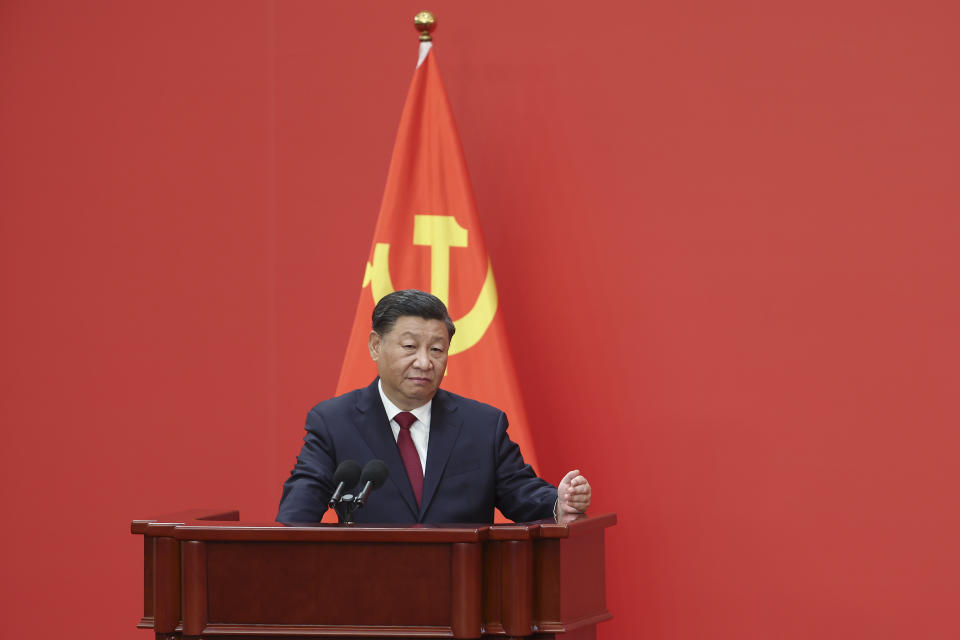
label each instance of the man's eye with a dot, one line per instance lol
(438, 350)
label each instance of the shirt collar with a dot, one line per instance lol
(422, 413)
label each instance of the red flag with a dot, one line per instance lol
(428, 237)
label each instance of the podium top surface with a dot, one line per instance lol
(225, 525)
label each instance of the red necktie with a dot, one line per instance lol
(411, 459)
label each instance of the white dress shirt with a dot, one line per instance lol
(419, 430)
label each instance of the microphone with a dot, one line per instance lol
(374, 475)
(345, 477)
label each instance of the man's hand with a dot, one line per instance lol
(573, 494)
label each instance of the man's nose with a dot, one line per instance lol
(423, 360)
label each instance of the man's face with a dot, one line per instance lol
(411, 359)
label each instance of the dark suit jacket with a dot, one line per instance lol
(472, 465)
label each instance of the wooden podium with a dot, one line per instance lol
(208, 575)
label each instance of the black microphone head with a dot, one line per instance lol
(348, 472)
(375, 472)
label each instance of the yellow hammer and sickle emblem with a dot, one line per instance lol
(440, 233)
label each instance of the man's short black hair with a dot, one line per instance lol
(409, 302)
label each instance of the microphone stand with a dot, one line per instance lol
(345, 507)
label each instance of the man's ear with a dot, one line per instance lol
(374, 343)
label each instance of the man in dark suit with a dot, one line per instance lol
(450, 458)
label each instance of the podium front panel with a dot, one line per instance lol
(343, 584)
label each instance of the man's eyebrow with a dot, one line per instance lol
(414, 335)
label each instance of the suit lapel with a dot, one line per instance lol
(445, 424)
(374, 427)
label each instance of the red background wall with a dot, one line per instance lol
(725, 235)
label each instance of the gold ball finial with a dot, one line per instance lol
(425, 23)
